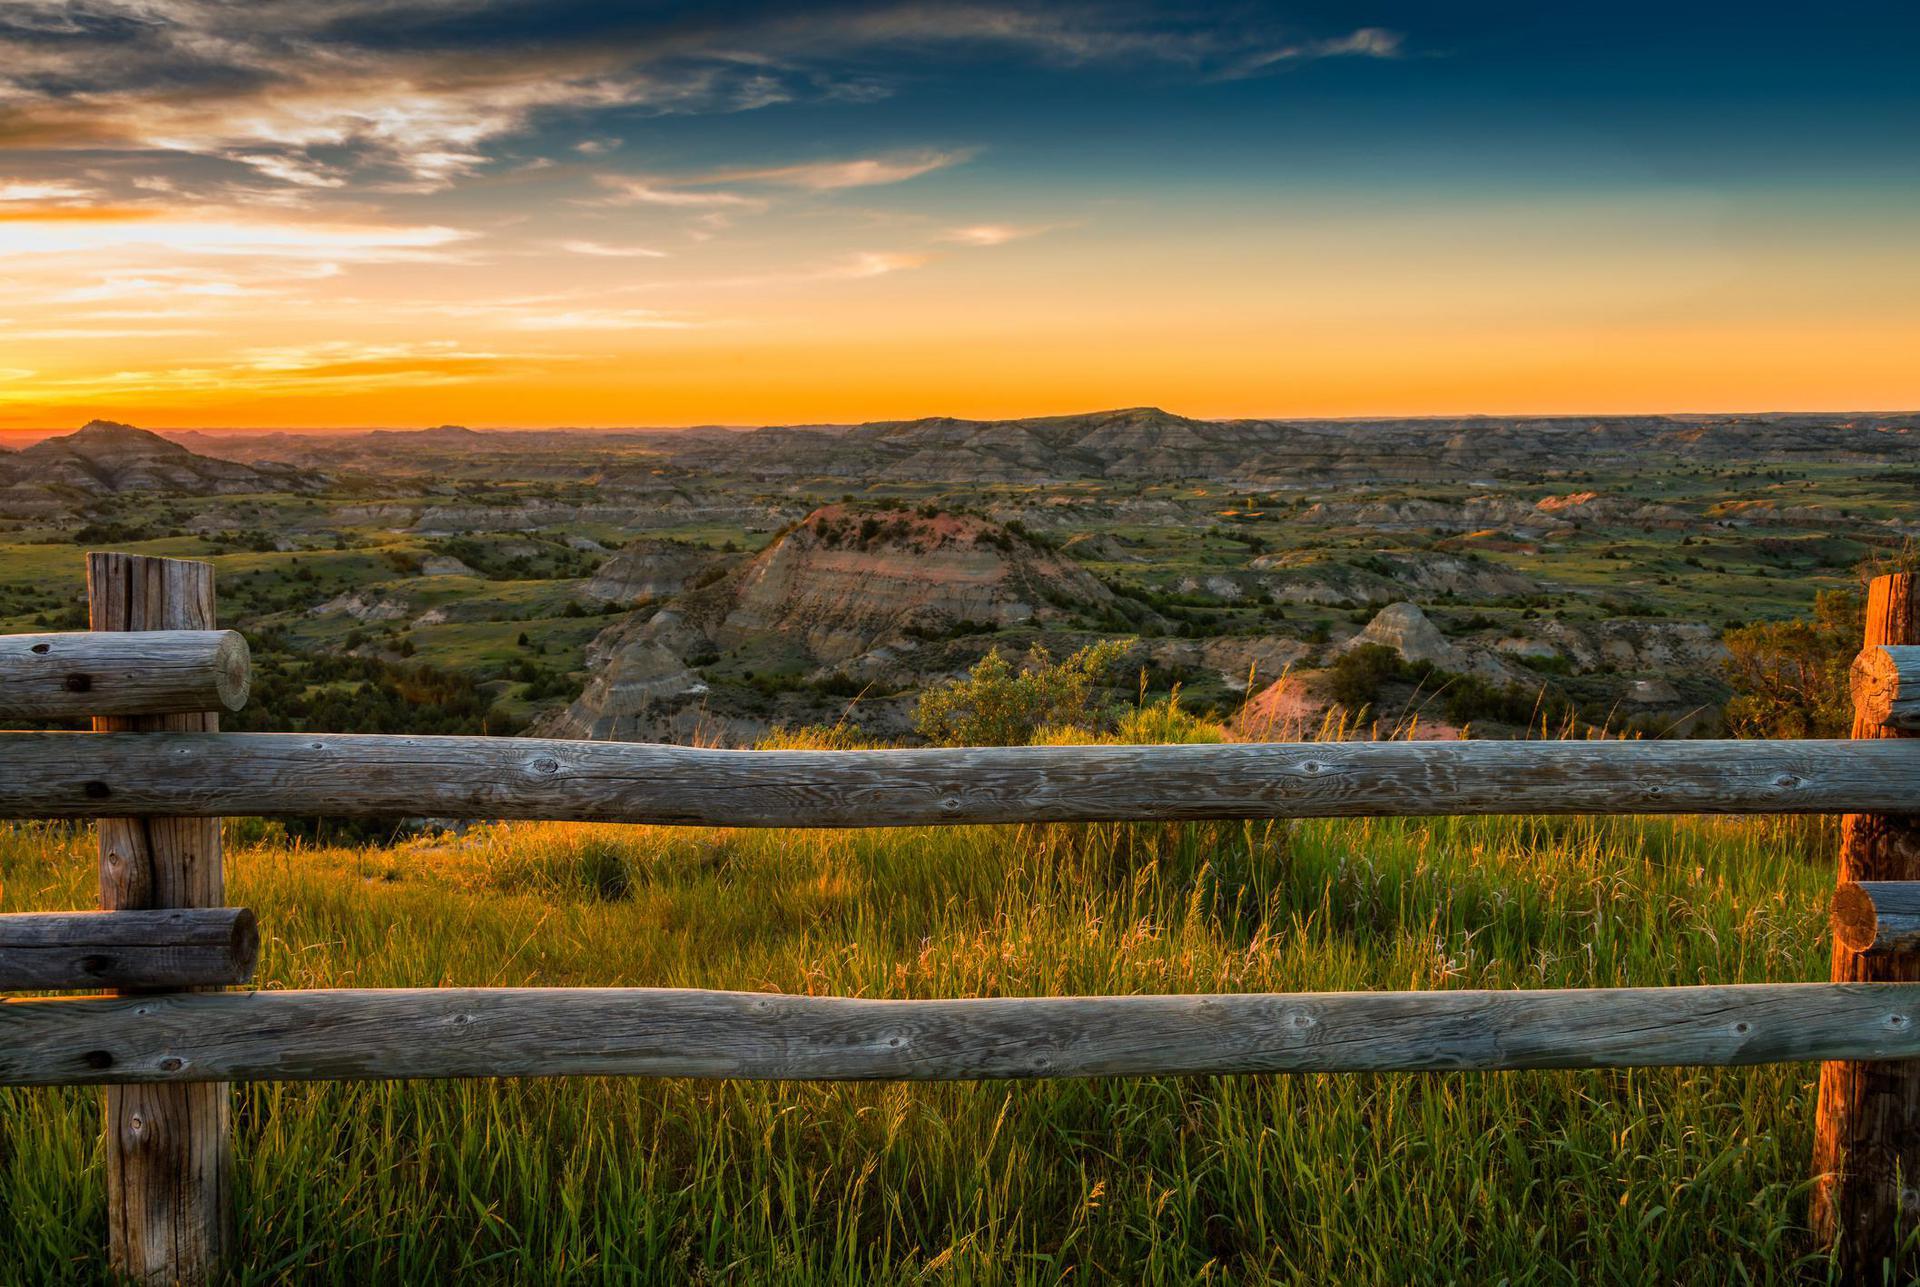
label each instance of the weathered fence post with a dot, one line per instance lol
(1866, 1152)
(167, 1146)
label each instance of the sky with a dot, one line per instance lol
(411, 212)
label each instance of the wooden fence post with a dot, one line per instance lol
(1866, 1152)
(168, 1163)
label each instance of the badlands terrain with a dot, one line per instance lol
(717, 584)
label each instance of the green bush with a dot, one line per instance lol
(1790, 677)
(996, 705)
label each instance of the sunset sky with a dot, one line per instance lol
(398, 212)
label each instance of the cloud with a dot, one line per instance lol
(992, 234)
(281, 94)
(1215, 40)
(862, 172)
(43, 231)
(45, 191)
(858, 266)
(70, 334)
(315, 368)
(160, 283)
(624, 190)
(415, 95)
(875, 264)
(1364, 42)
(602, 250)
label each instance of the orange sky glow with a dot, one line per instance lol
(751, 225)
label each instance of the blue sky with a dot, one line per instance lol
(369, 210)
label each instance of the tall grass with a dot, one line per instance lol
(1664, 1175)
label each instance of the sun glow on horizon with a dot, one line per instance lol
(746, 224)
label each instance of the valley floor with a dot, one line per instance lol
(1663, 1175)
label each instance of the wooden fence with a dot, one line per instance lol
(158, 775)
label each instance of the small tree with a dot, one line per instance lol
(1790, 677)
(996, 705)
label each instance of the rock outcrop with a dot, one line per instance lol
(645, 570)
(1313, 579)
(1410, 633)
(851, 592)
(1669, 647)
(640, 692)
(846, 580)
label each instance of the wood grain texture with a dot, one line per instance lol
(373, 775)
(144, 672)
(519, 1032)
(176, 947)
(1875, 916)
(168, 1152)
(1867, 1133)
(1886, 687)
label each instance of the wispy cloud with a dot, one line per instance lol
(602, 250)
(44, 231)
(48, 191)
(156, 284)
(993, 234)
(626, 190)
(73, 334)
(857, 266)
(860, 172)
(876, 264)
(286, 369)
(1365, 42)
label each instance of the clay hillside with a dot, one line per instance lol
(104, 457)
(870, 598)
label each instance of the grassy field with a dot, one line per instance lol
(1616, 1177)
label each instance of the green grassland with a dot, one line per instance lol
(1555, 1177)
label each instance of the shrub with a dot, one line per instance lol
(995, 705)
(1355, 679)
(1790, 677)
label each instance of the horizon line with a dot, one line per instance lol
(44, 431)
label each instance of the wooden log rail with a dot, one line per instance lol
(75, 775)
(174, 947)
(1886, 686)
(1877, 917)
(518, 1032)
(127, 672)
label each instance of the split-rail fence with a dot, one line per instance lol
(165, 1038)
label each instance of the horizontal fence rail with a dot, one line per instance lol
(373, 775)
(168, 947)
(123, 672)
(502, 1032)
